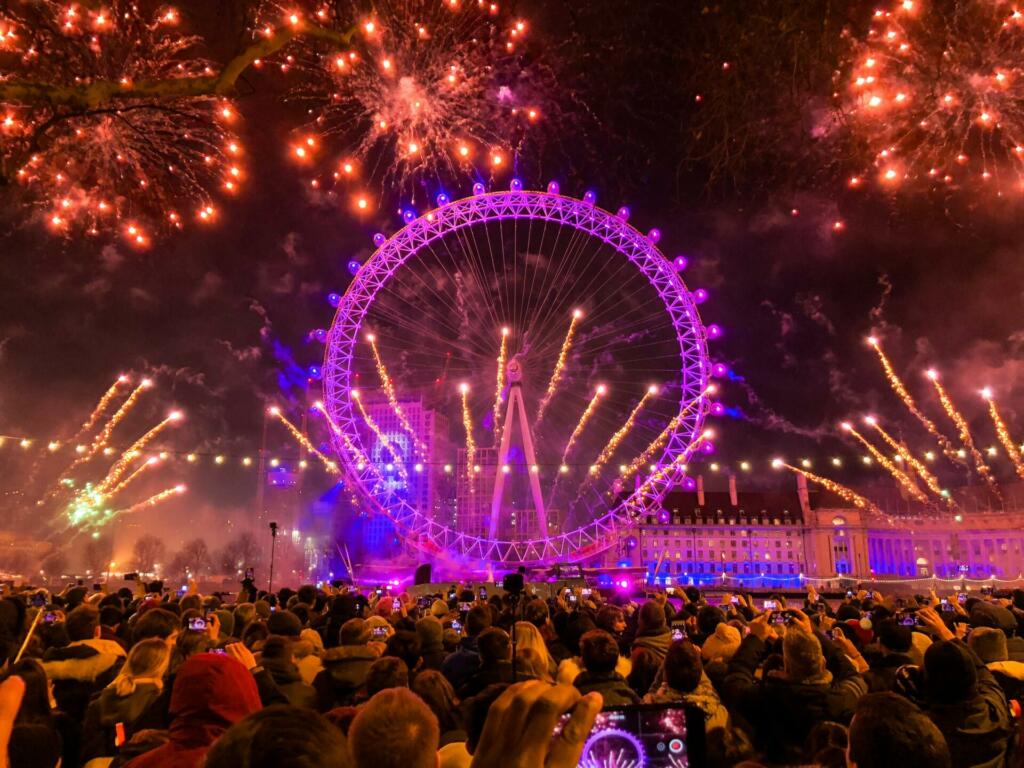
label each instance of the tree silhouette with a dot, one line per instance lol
(147, 552)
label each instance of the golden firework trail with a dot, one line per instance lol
(1004, 434)
(152, 501)
(903, 452)
(303, 440)
(396, 457)
(389, 389)
(500, 385)
(108, 428)
(608, 451)
(467, 424)
(126, 458)
(965, 434)
(676, 464)
(661, 439)
(556, 374)
(147, 464)
(901, 391)
(100, 409)
(900, 476)
(846, 494)
(360, 456)
(584, 418)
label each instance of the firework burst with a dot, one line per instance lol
(556, 374)
(1004, 433)
(903, 452)
(898, 474)
(304, 441)
(98, 122)
(965, 433)
(936, 94)
(426, 89)
(842, 491)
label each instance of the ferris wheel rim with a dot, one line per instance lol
(583, 216)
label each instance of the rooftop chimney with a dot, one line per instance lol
(733, 496)
(700, 490)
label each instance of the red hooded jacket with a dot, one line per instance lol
(211, 693)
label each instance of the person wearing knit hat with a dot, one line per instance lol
(284, 623)
(966, 703)
(439, 609)
(894, 644)
(722, 644)
(346, 666)
(308, 650)
(431, 636)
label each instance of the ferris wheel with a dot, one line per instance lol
(514, 376)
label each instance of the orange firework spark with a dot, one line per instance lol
(396, 457)
(152, 501)
(500, 385)
(147, 464)
(303, 440)
(100, 408)
(606, 454)
(359, 455)
(129, 455)
(467, 424)
(661, 439)
(839, 489)
(1004, 434)
(389, 390)
(901, 391)
(556, 374)
(900, 476)
(679, 463)
(930, 480)
(965, 434)
(587, 413)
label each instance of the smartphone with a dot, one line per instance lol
(183, 589)
(131, 577)
(379, 632)
(946, 607)
(572, 598)
(899, 602)
(465, 607)
(781, 618)
(909, 619)
(483, 593)
(457, 626)
(670, 590)
(396, 604)
(677, 634)
(218, 651)
(735, 600)
(849, 594)
(380, 591)
(451, 594)
(961, 597)
(249, 574)
(425, 602)
(648, 735)
(830, 634)
(985, 590)
(587, 592)
(39, 599)
(50, 617)
(198, 624)
(771, 605)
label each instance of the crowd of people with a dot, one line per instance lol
(335, 677)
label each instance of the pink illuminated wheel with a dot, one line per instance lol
(503, 464)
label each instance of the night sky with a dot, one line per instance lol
(221, 314)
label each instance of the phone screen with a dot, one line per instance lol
(197, 624)
(50, 618)
(457, 626)
(771, 605)
(249, 574)
(38, 599)
(396, 604)
(587, 592)
(653, 736)
(677, 634)
(961, 597)
(379, 632)
(465, 607)
(483, 593)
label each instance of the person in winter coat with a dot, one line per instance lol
(817, 683)
(430, 631)
(211, 693)
(278, 660)
(308, 650)
(84, 667)
(652, 630)
(990, 645)
(121, 709)
(684, 682)
(345, 667)
(894, 645)
(460, 666)
(965, 702)
(599, 652)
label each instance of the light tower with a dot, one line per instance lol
(516, 407)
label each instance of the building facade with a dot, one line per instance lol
(779, 539)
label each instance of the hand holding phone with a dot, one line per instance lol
(197, 624)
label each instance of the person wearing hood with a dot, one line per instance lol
(122, 707)
(84, 667)
(279, 661)
(990, 645)
(211, 693)
(430, 631)
(345, 667)
(684, 681)
(817, 682)
(460, 666)
(652, 630)
(599, 653)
